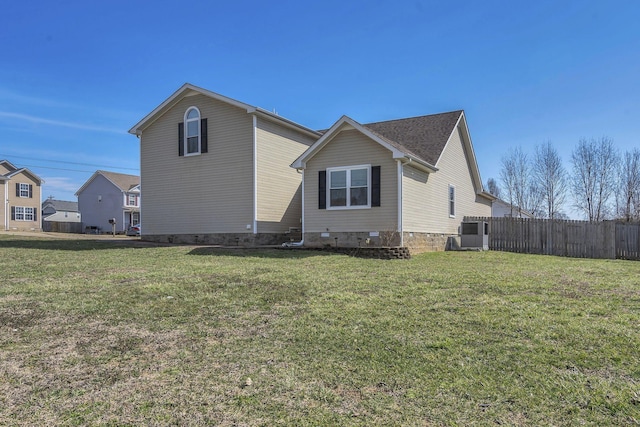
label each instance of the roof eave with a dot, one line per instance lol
(268, 115)
(139, 127)
(416, 162)
(487, 195)
(177, 96)
(28, 172)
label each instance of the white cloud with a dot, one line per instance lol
(41, 120)
(61, 188)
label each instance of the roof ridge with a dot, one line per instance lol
(414, 117)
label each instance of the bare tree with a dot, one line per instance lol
(493, 188)
(517, 180)
(594, 177)
(550, 178)
(628, 197)
(508, 176)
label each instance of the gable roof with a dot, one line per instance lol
(189, 89)
(418, 139)
(424, 136)
(8, 165)
(122, 181)
(61, 205)
(13, 171)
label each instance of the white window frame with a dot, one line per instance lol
(135, 199)
(186, 131)
(28, 214)
(451, 199)
(348, 170)
(24, 190)
(19, 213)
(24, 213)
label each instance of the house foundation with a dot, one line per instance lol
(221, 239)
(414, 241)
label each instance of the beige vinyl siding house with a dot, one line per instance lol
(22, 192)
(236, 188)
(279, 187)
(427, 180)
(350, 148)
(426, 207)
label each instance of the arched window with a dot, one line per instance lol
(192, 131)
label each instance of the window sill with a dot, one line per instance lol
(347, 208)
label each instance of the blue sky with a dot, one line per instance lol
(76, 75)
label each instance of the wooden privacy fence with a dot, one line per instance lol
(62, 227)
(578, 239)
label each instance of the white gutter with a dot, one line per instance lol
(255, 174)
(400, 230)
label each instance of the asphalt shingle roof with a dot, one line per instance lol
(424, 137)
(123, 181)
(62, 205)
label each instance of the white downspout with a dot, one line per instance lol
(6, 206)
(400, 228)
(255, 174)
(301, 242)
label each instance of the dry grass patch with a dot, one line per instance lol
(101, 333)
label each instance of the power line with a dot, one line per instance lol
(59, 169)
(69, 163)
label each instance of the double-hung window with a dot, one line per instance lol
(28, 214)
(21, 213)
(23, 190)
(349, 187)
(132, 200)
(452, 201)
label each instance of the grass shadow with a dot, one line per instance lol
(70, 244)
(297, 253)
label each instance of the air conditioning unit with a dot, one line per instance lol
(475, 235)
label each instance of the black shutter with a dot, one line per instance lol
(180, 139)
(375, 185)
(204, 143)
(13, 213)
(322, 189)
(17, 189)
(35, 214)
(30, 191)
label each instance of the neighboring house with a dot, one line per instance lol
(106, 196)
(407, 182)
(60, 210)
(216, 170)
(61, 216)
(21, 190)
(501, 208)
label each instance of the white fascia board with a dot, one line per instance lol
(28, 172)
(300, 162)
(344, 123)
(268, 115)
(91, 178)
(184, 90)
(466, 141)
(472, 154)
(8, 163)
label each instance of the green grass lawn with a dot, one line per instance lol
(120, 333)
